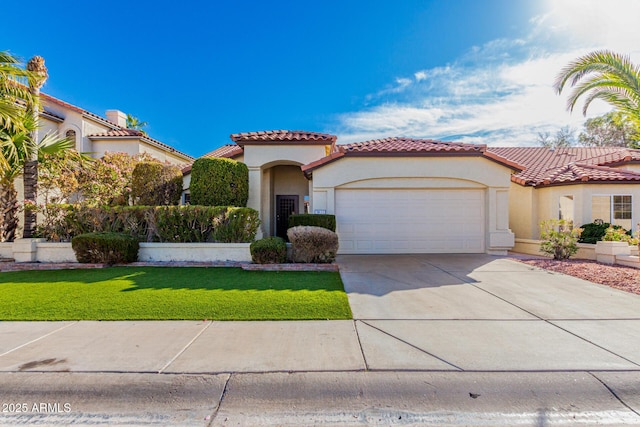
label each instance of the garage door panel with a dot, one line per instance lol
(410, 221)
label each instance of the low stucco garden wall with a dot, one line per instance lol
(532, 247)
(199, 252)
(39, 250)
(605, 252)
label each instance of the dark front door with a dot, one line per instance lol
(285, 206)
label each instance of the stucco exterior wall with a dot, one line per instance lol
(269, 155)
(529, 206)
(424, 173)
(351, 169)
(162, 155)
(523, 215)
(101, 146)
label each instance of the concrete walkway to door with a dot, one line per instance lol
(484, 313)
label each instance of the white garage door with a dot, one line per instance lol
(410, 221)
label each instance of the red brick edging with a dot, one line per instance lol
(28, 266)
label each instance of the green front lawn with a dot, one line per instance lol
(163, 293)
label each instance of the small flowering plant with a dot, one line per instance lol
(619, 234)
(559, 238)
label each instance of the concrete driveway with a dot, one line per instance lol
(484, 313)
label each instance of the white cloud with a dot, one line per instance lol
(500, 93)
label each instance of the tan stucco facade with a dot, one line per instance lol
(529, 206)
(435, 173)
(275, 170)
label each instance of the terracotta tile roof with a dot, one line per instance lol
(409, 145)
(228, 151)
(282, 136)
(395, 146)
(543, 166)
(117, 133)
(82, 111)
(585, 173)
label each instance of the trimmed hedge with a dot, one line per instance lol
(594, 232)
(314, 220)
(313, 244)
(179, 224)
(219, 182)
(156, 184)
(105, 248)
(270, 250)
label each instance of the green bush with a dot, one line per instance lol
(270, 250)
(314, 220)
(105, 248)
(593, 232)
(313, 244)
(153, 223)
(237, 225)
(219, 182)
(559, 238)
(155, 184)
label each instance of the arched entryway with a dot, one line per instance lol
(285, 192)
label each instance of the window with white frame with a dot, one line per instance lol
(614, 209)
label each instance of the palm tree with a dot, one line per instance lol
(603, 75)
(18, 146)
(13, 94)
(134, 123)
(38, 77)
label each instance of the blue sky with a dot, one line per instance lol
(197, 71)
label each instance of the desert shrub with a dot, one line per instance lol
(219, 182)
(236, 226)
(156, 184)
(154, 223)
(559, 238)
(185, 223)
(107, 248)
(313, 244)
(315, 220)
(270, 250)
(54, 225)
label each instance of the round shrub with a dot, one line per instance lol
(313, 244)
(219, 182)
(105, 248)
(270, 250)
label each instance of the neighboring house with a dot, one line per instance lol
(97, 135)
(395, 195)
(581, 184)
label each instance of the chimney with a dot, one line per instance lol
(117, 117)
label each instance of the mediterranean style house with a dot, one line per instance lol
(403, 195)
(96, 135)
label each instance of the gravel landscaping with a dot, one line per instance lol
(619, 277)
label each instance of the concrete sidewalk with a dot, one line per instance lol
(437, 340)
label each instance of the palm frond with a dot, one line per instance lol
(52, 143)
(603, 75)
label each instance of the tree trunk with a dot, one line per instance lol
(37, 67)
(30, 194)
(8, 211)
